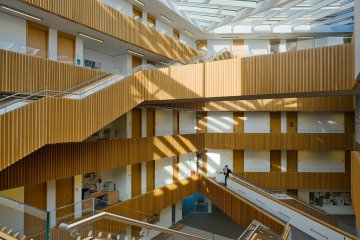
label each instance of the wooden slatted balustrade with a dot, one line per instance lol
(355, 184)
(115, 24)
(56, 120)
(27, 74)
(52, 161)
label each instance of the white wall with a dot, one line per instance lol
(163, 172)
(165, 221)
(105, 60)
(187, 122)
(214, 46)
(122, 179)
(79, 52)
(341, 210)
(283, 161)
(164, 28)
(163, 122)
(305, 44)
(120, 5)
(220, 122)
(187, 41)
(129, 124)
(217, 159)
(283, 122)
(123, 63)
(256, 47)
(52, 44)
(321, 122)
(328, 41)
(15, 29)
(187, 162)
(256, 161)
(11, 213)
(257, 122)
(178, 211)
(321, 161)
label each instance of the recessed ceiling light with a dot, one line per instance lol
(139, 2)
(90, 37)
(167, 19)
(135, 53)
(329, 8)
(21, 13)
(305, 37)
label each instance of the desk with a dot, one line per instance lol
(112, 197)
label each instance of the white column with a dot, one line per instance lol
(143, 177)
(53, 44)
(51, 201)
(77, 195)
(282, 47)
(79, 52)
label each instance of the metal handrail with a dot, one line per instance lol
(105, 215)
(281, 191)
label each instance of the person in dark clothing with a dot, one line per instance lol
(227, 172)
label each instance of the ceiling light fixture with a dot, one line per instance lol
(188, 32)
(139, 2)
(167, 19)
(135, 53)
(90, 37)
(329, 8)
(229, 37)
(305, 37)
(21, 13)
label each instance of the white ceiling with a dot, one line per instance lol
(211, 19)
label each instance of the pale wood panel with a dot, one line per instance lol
(98, 110)
(136, 61)
(36, 196)
(66, 197)
(297, 180)
(282, 72)
(136, 123)
(135, 179)
(276, 141)
(321, 104)
(275, 161)
(52, 161)
(275, 122)
(240, 210)
(292, 122)
(349, 122)
(292, 161)
(355, 182)
(238, 156)
(115, 24)
(66, 48)
(24, 73)
(201, 122)
(150, 175)
(238, 122)
(37, 39)
(150, 122)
